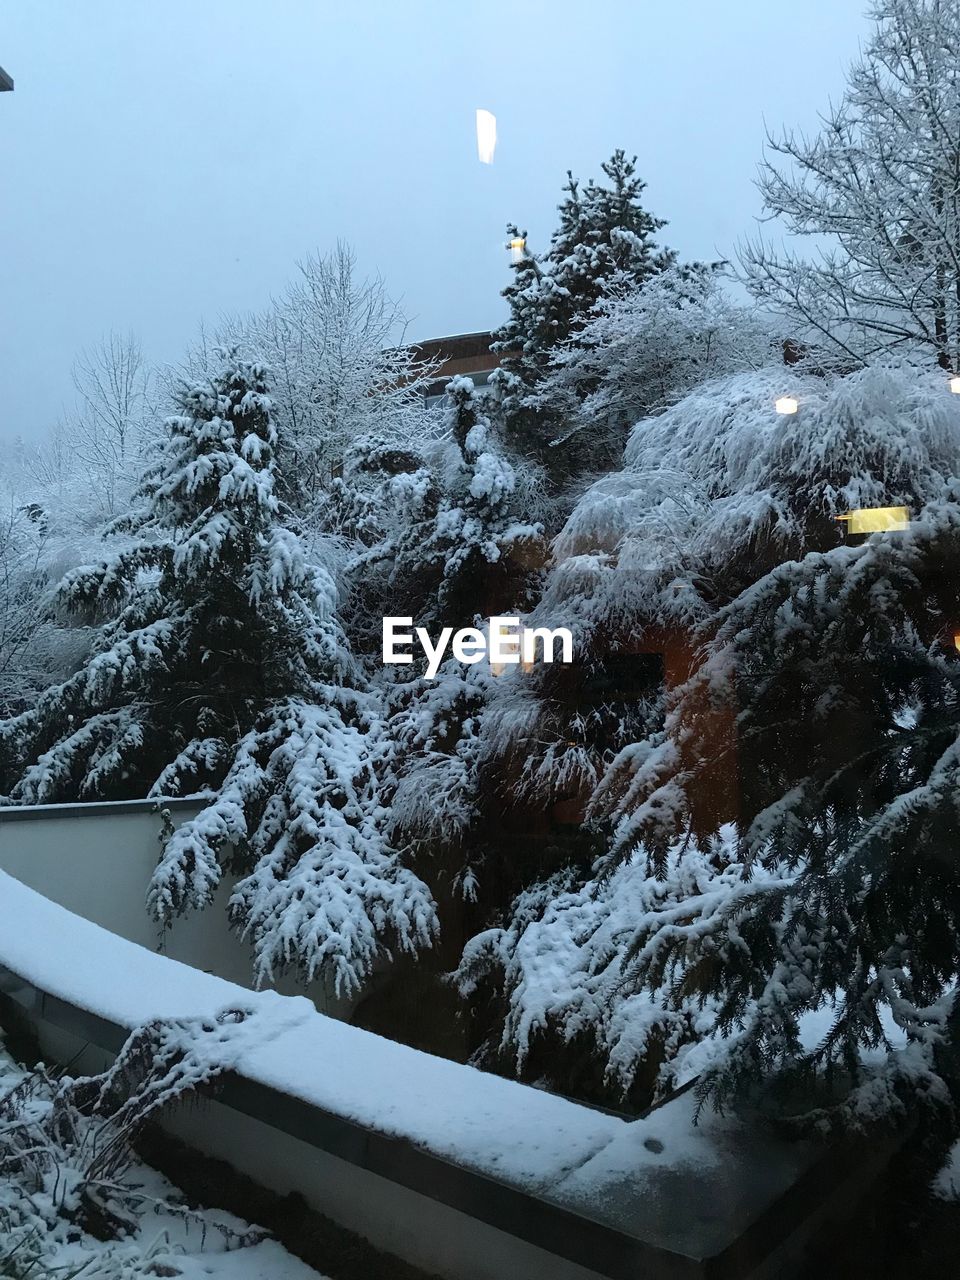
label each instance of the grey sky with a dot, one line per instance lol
(163, 162)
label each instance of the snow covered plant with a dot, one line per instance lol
(440, 532)
(643, 347)
(72, 1196)
(218, 663)
(819, 728)
(300, 815)
(604, 242)
(448, 530)
(331, 340)
(205, 612)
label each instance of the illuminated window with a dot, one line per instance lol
(876, 519)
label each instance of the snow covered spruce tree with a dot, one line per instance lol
(778, 897)
(604, 242)
(219, 665)
(455, 545)
(642, 347)
(474, 556)
(878, 187)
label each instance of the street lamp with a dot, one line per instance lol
(517, 246)
(786, 404)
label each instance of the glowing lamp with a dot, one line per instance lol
(486, 135)
(956, 641)
(786, 404)
(517, 246)
(955, 385)
(876, 519)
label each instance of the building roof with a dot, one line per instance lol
(457, 346)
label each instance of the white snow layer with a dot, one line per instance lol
(520, 1135)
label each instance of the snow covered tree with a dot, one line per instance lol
(878, 187)
(604, 243)
(204, 612)
(386, 494)
(219, 665)
(642, 349)
(475, 556)
(804, 922)
(24, 589)
(444, 522)
(109, 435)
(339, 371)
(456, 548)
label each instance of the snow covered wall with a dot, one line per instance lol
(97, 859)
(465, 1174)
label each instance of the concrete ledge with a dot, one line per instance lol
(559, 1235)
(461, 1223)
(465, 1175)
(96, 808)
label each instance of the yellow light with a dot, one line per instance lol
(955, 386)
(486, 135)
(786, 404)
(517, 246)
(956, 640)
(876, 519)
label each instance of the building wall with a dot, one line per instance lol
(463, 354)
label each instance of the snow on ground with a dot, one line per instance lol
(168, 1241)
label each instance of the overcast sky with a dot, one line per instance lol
(166, 161)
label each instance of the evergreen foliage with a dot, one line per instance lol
(604, 243)
(805, 920)
(204, 612)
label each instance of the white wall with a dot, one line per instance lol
(97, 860)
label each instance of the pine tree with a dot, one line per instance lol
(205, 612)
(219, 665)
(779, 875)
(603, 244)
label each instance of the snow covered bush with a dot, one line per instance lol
(820, 878)
(641, 348)
(75, 1202)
